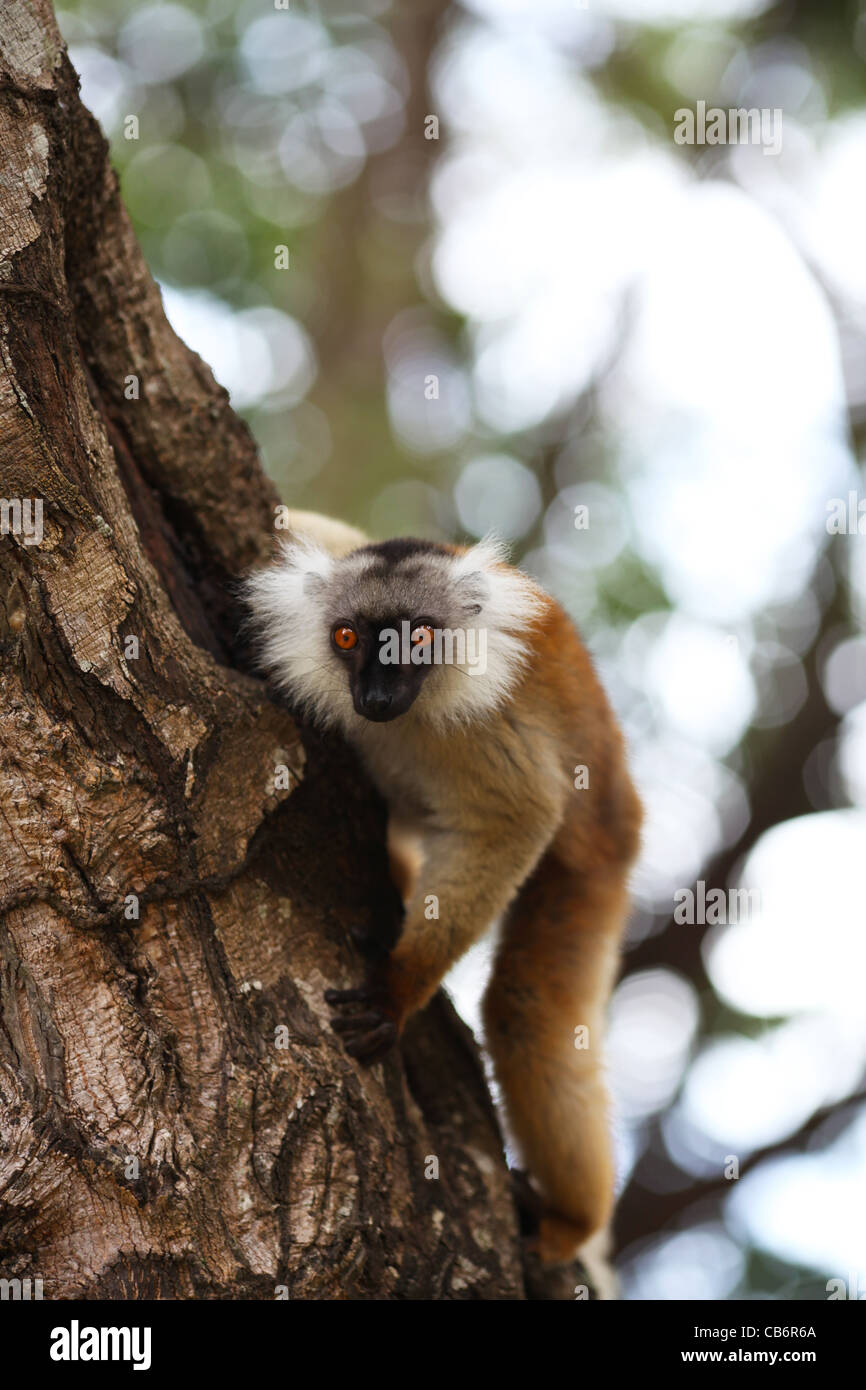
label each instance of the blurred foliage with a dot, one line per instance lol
(261, 128)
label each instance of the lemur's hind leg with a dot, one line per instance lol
(544, 1021)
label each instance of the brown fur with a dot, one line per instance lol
(506, 832)
(483, 782)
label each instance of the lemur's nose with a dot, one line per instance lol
(376, 703)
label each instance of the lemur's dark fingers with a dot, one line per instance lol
(354, 1023)
(348, 996)
(369, 944)
(369, 1045)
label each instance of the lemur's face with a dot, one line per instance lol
(384, 605)
(369, 635)
(383, 680)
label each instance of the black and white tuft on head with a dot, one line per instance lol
(391, 626)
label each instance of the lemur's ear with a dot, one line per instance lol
(307, 561)
(472, 592)
(506, 599)
(475, 573)
(278, 595)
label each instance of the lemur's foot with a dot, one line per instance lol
(367, 1029)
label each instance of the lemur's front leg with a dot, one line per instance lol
(468, 878)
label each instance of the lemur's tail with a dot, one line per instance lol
(544, 1020)
(334, 536)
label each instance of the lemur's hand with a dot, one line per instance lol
(374, 944)
(367, 1027)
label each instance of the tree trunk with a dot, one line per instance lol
(176, 1118)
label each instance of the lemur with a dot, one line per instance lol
(476, 760)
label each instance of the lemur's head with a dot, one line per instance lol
(394, 626)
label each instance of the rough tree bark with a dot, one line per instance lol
(154, 1139)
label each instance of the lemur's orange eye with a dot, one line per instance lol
(422, 635)
(345, 637)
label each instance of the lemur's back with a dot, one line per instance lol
(604, 814)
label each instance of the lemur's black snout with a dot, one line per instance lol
(376, 705)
